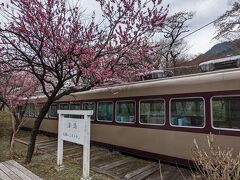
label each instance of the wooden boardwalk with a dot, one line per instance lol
(11, 170)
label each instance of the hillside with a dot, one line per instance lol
(220, 50)
(225, 48)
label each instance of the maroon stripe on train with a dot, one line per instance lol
(206, 95)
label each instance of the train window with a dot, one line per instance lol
(225, 112)
(53, 110)
(20, 110)
(187, 112)
(64, 107)
(38, 107)
(90, 106)
(26, 114)
(75, 106)
(125, 111)
(105, 111)
(152, 112)
(31, 110)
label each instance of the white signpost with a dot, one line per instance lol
(75, 130)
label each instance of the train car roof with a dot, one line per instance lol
(190, 79)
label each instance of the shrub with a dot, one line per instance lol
(216, 163)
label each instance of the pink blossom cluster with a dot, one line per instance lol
(16, 87)
(57, 42)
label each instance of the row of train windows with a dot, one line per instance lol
(184, 112)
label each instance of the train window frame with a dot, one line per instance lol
(26, 113)
(112, 112)
(165, 112)
(49, 114)
(37, 107)
(31, 112)
(63, 104)
(191, 127)
(66, 115)
(94, 110)
(135, 113)
(211, 107)
(76, 103)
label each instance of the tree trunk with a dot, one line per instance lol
(12, 145)
(14, 128)
(1, 107)
(31, 145)
(16, 123)
(35, 130)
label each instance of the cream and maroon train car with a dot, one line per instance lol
(159, 118)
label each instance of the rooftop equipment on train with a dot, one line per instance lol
(221, 63)
(156, 74)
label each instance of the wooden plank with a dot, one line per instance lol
(50, 144)
(115, 164)
(51, 149)
(53, 146)
(7, 171)
(71, 148)
(21, 141)
(72, 151)
(46, 141)
(98, 153)
(98, 170)
(140, 170)
(54, 142)
(106, 154)
(93, 152)
(3, 176)
(16, 170)
(25, 170)
(75, 154)
(145, 174)
(80, 153)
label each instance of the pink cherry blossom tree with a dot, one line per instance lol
(59, 44)
(15, 91)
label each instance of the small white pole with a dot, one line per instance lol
(86, 148)
(60, 165)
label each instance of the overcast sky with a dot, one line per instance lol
(205, 12)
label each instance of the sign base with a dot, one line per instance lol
(59, 168)
(88, 178)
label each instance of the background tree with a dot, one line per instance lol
(59, 45)
(172, 46)
(228, 25)
(15, 91)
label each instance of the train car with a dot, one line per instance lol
(160, 118)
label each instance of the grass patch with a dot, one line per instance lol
(5, 124)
